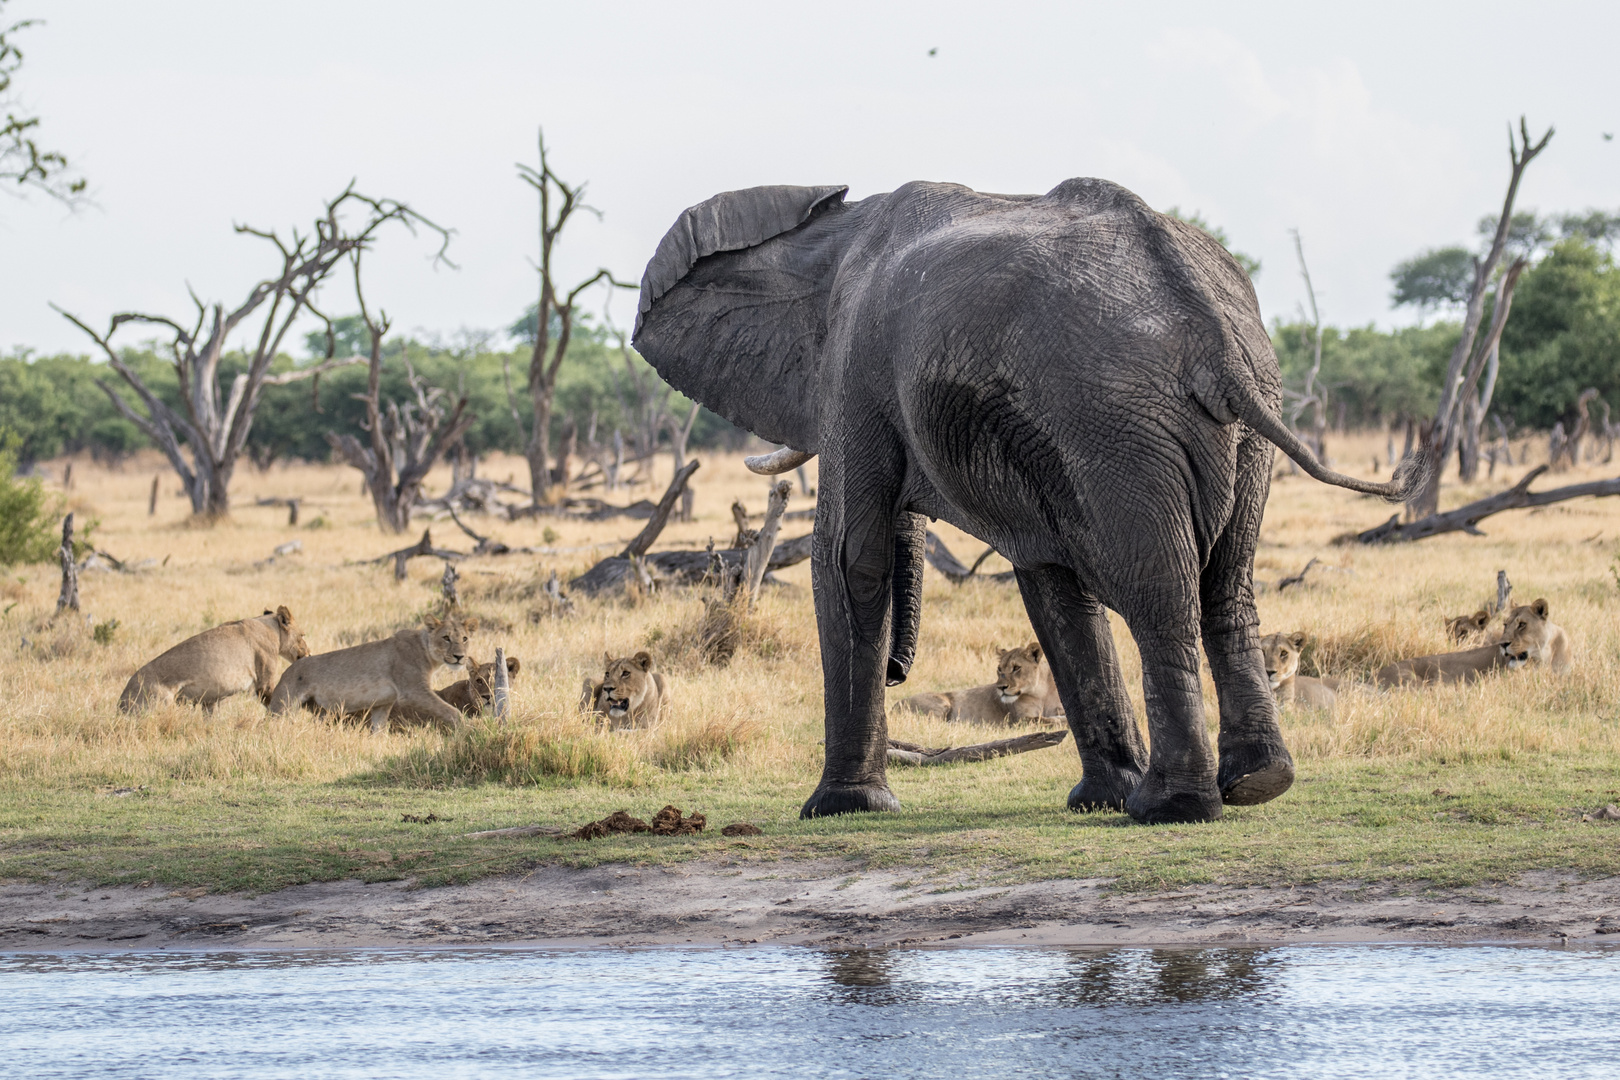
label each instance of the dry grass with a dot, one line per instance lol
(754, 724)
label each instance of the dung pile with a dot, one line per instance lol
(667, 822)
(741, 828)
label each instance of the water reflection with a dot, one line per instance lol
(770, 1012)
(1058, 978)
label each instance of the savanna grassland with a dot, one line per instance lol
(1449, 785)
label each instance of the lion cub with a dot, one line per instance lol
(1532, 639)
(1460, 628)
(217, 663)
(1023, 690)
(630, 695)
(474, 693)
(1282, 653)
(377, 677)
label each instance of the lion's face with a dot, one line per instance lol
(624, 683)
(1526, 635)
(293, 645)
(481, 677)
(1466, 627)
(1018, 672)
(1282, 656)
(447, 638)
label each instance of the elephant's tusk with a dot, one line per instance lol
(780, 461)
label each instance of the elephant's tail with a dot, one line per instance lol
(1410, 475)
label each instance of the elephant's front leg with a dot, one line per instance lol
(851, 575)
(1073, 629)
(1255, 765)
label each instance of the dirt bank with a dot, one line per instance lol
(819, 903)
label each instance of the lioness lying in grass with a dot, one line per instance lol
(1023, 690)
(377, 677)
(630, 695)
(1533, 639)
(1282, 652)
(219, 662)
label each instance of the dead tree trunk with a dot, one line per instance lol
(1466, 518)
(678, 434)
(151, 503)
(1467, 360)
(405, 442)
(68, 598)
(500, 699)
(215, 426)
(904, 753)
(759, 555)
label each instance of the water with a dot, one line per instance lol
(1281, 1012)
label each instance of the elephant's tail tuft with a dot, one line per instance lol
(1410, 475)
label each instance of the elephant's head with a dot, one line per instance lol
(734, 308)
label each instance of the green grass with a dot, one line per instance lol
(1449, 825)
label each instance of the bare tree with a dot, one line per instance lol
(1469, 358)
(405, 441)
(1314, 396)
(216, 425)
(558, 203)
(1477, 404)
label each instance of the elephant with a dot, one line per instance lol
(1074, 378)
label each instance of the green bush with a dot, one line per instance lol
(28, 513)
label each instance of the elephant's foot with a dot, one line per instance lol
(1253, 774)
(1103, 787)
(830, 799)
(1157, 802)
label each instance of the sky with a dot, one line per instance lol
(1376, 129)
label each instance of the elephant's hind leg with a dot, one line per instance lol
(1073, 629)
(1255, 765)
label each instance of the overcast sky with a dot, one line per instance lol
(1376, 129)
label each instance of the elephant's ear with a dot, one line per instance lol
(734, 305)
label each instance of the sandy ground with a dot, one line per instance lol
(816, 903)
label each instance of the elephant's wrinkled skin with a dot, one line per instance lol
(1080, 381)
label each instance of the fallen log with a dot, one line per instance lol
(940, 558)
(686, 567)
(613, 572)
(904, 753)
(423, 546)
(1466, 518)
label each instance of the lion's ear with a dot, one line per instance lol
(1481, 619)
(607, 659)
(283, 616)
(642, 660)
(1539, 606)
(512, 665)
(430, 621)
(1033, 650)
(470, 625)
(1297, 639)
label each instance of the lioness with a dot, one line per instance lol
(1282, 653)
(630, 695)
(1023, 690)
(1451, 667)
(211, 666)
(1461, 628)
(473, 693)
(376, 677)
(1531, 639)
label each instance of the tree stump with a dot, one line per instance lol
(69, 596)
